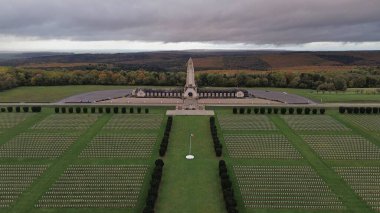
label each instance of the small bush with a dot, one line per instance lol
(283, 111)
(108, 110)
(299, 111)
(375, 110)
(234, 110)
(36, 109)
(307, 111)
(368, 110)
(322, 111)
(350, 110)
(100, 109)
(93, 110)
(262, 110)
(269, 110)
(25, 109)
(256, 110)
(9, 109)
(71, 110)
(18, 109)
(56, 110)
(139, 110)
(356, 110)
(249, 111)
(275, 110)
(116, 110)
(146, 110)
(291, 110)
(241, 110)
(362, 110)
(131, 110)
(123, 110)
(3, 109)
(78, 110)
(63, 109)
(85, 110)
(314, 111)
(342, 110)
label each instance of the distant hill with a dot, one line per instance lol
(203, 60)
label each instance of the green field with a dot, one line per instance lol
(278, 163)
(56, 93)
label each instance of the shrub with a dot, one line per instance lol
(314, 111)
(368, 110)
(350, 110)
(93, 109)
(85, 110)
(18, 109)
(375, 110)
(123, 110)
(234, 110)
(10, 109)
(249, 111)
(269, 110)
(283, 111)
(71, 110)
(356, 110)
(262, 110)
(362, 110)
(218, 151)
(25, 109)
(299, 111)
(307, 111)
(139, 110)
(342, 110)
(146, 110)
(322, 111)
(100, 110)
(77, 109)
(131, 110)
(291, 110)
(56, 110)
(116, 110)
(36, 109)
(241, 110)
(108, 110)
(275, 110)
(3, 110)
(256, 110)
(63, 110)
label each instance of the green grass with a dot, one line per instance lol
(190, 185)
(348, 96)
(56, 93)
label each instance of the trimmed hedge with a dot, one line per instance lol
(215, 138)
(228, 192)
(165, 139)
(154, 186)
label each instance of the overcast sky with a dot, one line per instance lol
(128, 25)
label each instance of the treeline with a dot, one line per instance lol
(326, 81)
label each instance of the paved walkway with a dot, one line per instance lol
(190, 112)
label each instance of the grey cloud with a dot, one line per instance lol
(246, 21)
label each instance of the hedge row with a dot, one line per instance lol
(215, 138)
(21, 109)
(277, 110)
(165, 139)
(359, 110)
(154, 186)
(228, 192)
(108, 110)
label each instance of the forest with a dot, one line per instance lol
(364, 77)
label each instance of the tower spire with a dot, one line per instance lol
(190, 81)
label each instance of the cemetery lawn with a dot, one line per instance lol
(190, 185)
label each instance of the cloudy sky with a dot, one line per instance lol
(129, 25)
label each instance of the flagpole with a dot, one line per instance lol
(190, 156)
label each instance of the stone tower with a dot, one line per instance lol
(190, 94)
(190, 91)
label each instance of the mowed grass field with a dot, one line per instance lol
(56, 93)
(278, 163)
